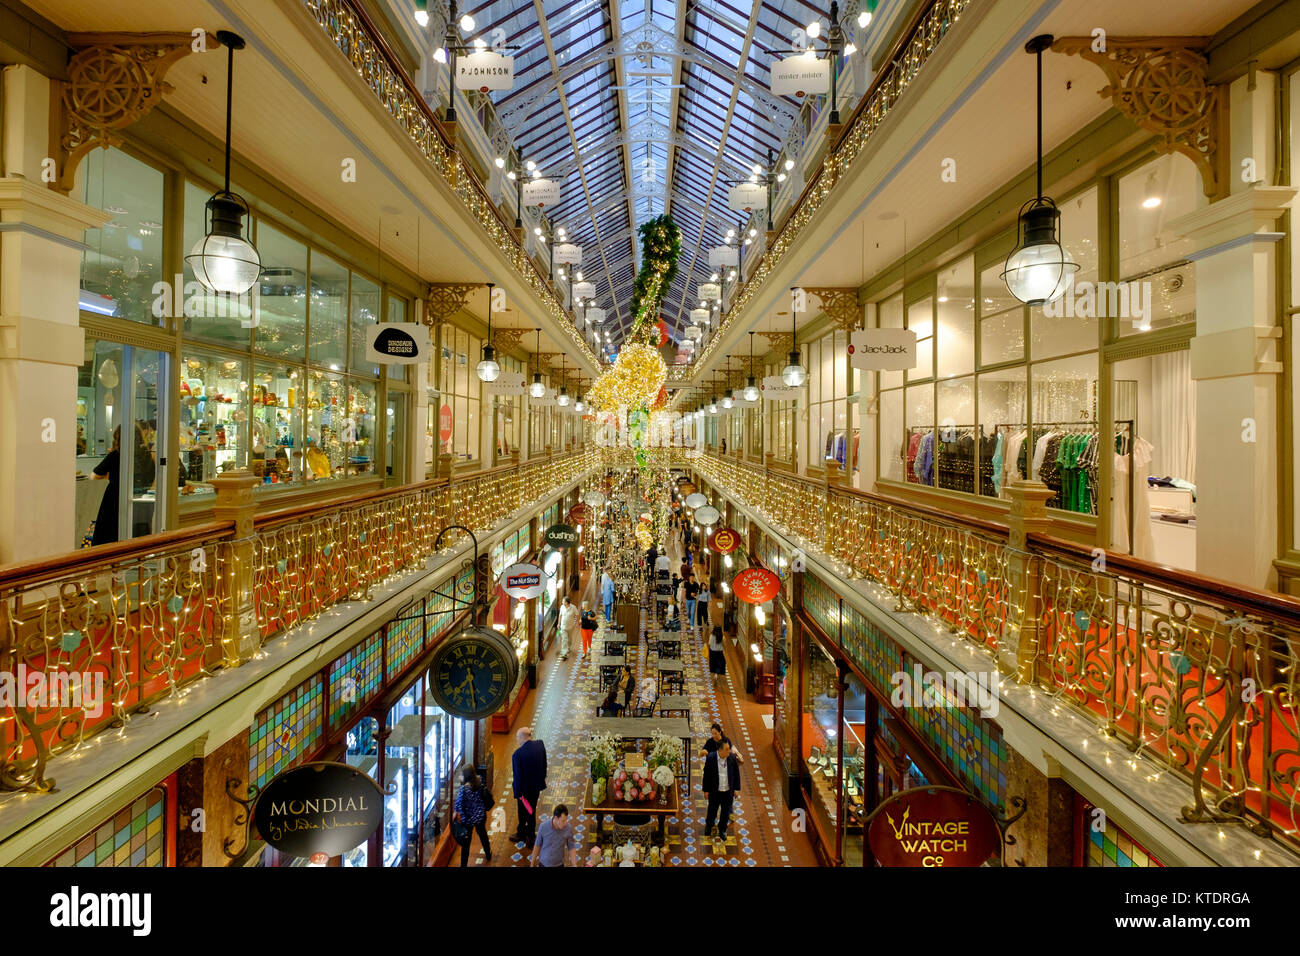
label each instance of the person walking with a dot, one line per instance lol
(556, 844)
(702, 606)
(721, 783)
(717, 655)
(471, 809)
(587, 623)
(716, 737)
(106, 519)
(607, 594)
(529, 765)
(626, 685)
(692, 593)
(567, 626)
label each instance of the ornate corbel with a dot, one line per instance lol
(114, 79)
(505, 340)
(779, 342)
(541, 361)
(1162, 84)
(444, 300)
(840, 305)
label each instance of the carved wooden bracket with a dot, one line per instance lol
(541, 361)
(1162, 84)
(504, 340)
(114, 79)
(840, 305)
(780, 342)
(444, 300)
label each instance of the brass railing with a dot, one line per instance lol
(143, 619)
(1197, 674)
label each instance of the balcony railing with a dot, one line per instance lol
(144, 619)
(1198, 674)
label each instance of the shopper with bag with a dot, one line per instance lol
(529, 766)
(469, 815)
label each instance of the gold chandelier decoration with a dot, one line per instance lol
(633, 382)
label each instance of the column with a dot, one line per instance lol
(1236, 366)
(41, 343)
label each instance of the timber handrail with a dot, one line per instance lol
(971, 523)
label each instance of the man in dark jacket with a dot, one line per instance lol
(529, 763)
(721, 787)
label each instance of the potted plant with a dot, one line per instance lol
(602, 752)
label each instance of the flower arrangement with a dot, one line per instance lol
(602, 751)
(634, 787)
(665, 751)
(664, 776)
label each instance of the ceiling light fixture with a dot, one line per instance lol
(794, 374)
(223, 260)
(750, 393)
(563, 399)
(488, 369)
(1038, 269)
(537, 389)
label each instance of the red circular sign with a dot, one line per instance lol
(933, 827)
(578, 514)
(756, 585)
(320, 859)
(444, 423)
(724, 540)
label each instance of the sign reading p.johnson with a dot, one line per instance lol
(931, 827)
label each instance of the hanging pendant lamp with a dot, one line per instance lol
(1038, 269)
(488, 369)
(751, 387)
(223, 260)
(794, 374)
(563, 399)
(537, 389)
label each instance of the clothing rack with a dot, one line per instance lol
(1124, 430)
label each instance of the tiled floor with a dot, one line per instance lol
(562, 712)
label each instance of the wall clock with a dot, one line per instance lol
(473, 672)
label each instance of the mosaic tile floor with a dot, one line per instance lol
(562, 713)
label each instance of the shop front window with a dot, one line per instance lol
(853, 737)
(282, 300)
(122, 260)
(1149, 198)
(358, 428)
(324, 448)
(395, 437)
(363, 313)
(214, 425)
(821, 720)
(276, 428)
(784, 720)
(327, 313)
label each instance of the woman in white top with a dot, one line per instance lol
(567, 626)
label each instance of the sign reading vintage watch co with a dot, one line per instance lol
(320, 807)
(931, 827)
(561, 536)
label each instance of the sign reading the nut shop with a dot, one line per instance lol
(320, 807)
(932, 826)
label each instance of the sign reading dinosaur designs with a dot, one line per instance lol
(321, 807)
(931, 827)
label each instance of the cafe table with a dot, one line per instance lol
(617, 808)
(640, 728)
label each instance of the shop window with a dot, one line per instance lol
(214, 417)
(1149, 198)
(955, 311)
(956, 443)
(282, 300)
(828, 420)
(276, 424)
(918, 449)
(1071, 329)
(1065, 440)
(324, 448)
(821, 720)
(395, 437)
(1002, 423)
(891, 317)
(1002, 320)
(853, 734)
(363, 313)
(359, 427)
(207, 316)
(920, 319)
(327, 313)
(123, 259)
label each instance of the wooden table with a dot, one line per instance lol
(617, 808)
(676, 704)
(609, 665)
(640, 728)
(667, 667)
(671, 638)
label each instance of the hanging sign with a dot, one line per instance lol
(523, 581)
(693, 333)
(721, 256)
(700, 316)
(578, 514)
(444, 423)
(686, 487)
(746, 196)
(485, 70)
(756, 585)
(397, 343)
(696, 500)
(320, 807)
(708, 515)
(933, 826)
(583, 290)
(507, 383)
(774, 389)
(541, 192)
(566, 253)
(883, 349)
(561, 536)
(724, 540)
(710, 291)
(546, 401)
(800, 75)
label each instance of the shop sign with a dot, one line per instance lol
(933, 826)
(720, 256)
(756, 585)
(320, 807)
(800, 75)
(774, 389)
(696, 500)
(397, 343)
(746, 196)
(541, 192)
(578, 514)
(724, 540)
(561, 536)
(546, 401)
(583, 290)
(708, 515)
(593, 316)
(523, 581)
(444, 423)
(485, 70)
(883, 350)
(686, 487)
(568, 254)
(710, 291)
(507, 383)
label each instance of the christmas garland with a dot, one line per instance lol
(661, 245)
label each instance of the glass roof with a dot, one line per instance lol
(641, 106)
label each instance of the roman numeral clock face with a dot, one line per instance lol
(471, 676)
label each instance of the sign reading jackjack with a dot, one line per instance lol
(320, 807)
(523, 581)
(931, 827)
(561, 536)
(883, 350)
(774, 389)
(485, 70)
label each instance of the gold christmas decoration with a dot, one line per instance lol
(633, 382)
